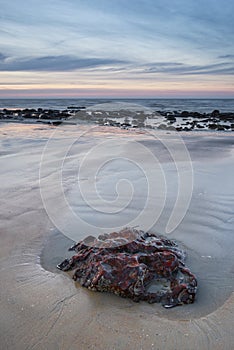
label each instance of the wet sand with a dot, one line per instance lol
(42, 308)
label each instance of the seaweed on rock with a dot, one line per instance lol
(133, 264)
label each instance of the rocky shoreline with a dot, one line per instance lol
(171, 120)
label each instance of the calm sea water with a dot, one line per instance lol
(199, 105)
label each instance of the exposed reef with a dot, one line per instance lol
(126, 119)
(133, 264)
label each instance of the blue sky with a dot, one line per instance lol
(117, 48)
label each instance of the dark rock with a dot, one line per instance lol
(215, 113)
(212, 126)
(197, 115)
(133, 264)
(55, 123)
(171, 118)
(185, 114)
(220, 127)
(125, 125)
(226, 116)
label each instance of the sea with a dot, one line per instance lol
(195, 105)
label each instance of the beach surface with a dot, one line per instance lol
(51, 198)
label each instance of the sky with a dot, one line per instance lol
(117, 48)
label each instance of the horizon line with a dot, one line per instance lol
(116, 98)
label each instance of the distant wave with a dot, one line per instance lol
(121, 105)
(199, 105)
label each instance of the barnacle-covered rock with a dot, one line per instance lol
(133, 264)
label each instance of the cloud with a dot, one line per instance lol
(60, 63)
(226, 56)
(121, 29)
(69, 63)
(117, 42)
(2, 57)
(185, 69)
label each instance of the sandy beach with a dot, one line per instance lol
(43, 308)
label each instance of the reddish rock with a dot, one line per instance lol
(133, 264)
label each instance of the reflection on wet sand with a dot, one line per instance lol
(43, 309)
